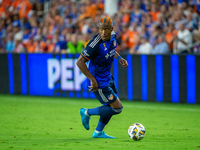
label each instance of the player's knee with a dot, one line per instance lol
(118, 110)
(121, 109)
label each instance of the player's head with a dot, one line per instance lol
(105, 28)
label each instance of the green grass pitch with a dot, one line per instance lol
(49, 123)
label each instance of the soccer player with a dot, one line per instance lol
(100, 52)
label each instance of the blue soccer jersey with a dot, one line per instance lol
(101, 56)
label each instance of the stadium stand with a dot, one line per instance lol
(49, 26)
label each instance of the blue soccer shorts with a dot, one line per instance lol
(107, 95)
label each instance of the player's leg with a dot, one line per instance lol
(107, 97)
(116, 104)
(112, 106)
(105, 112)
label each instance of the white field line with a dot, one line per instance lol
(162, 108)
(96, 104)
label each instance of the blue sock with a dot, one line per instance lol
(103, 111)
(93, 111)
(100, 126)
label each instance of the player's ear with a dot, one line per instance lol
(111, 28)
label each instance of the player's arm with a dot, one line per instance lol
(81, 63)
(121, 60)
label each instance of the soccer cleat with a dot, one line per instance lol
(85, 119)
(101, 135)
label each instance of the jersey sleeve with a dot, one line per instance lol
(92, 48)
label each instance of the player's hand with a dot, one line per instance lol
(123, 62)
(94, 85)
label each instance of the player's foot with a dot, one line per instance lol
(101, 135)
(85, 118)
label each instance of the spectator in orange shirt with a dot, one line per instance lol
(3, 13)
(154, 12)
(90, 8)
(126, 18)
(15, 4)
(43, 46)
(133, 36)
(25, 7)
(36, 43)
(50, 44)
(128, 38)
(6, 3)
(124, 40)
(100, 4)
(31, 47)
(4, 8)
(170, 36)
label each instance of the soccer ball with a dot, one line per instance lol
(136, 131)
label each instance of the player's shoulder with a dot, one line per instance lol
(95, 41)
(92, 48)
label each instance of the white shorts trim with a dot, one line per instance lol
(103, 96)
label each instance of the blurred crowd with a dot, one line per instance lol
(66, 26)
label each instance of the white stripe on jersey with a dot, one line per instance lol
(95, 41)
(102, 96)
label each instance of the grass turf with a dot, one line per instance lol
(41, 123)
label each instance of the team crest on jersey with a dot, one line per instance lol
(105, 48)
(110, 97)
